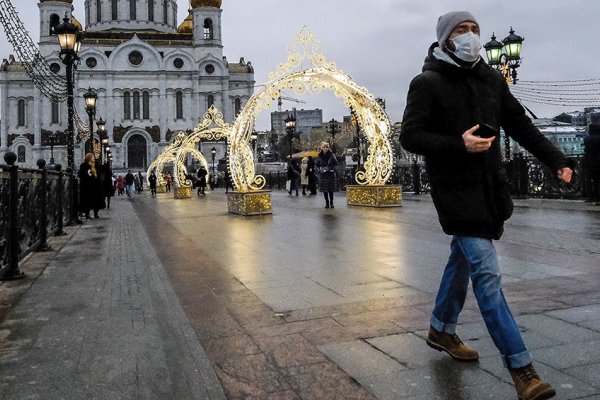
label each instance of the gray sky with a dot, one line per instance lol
(381, 44)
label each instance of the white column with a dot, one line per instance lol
(38, 113)
(110, 105)
(164, 110)
(4, 115)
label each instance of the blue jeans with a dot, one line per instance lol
(128, 189)
(475, 258)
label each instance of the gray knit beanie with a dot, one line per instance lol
(447, 22)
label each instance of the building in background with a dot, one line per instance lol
(153, 76)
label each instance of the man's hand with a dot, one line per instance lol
(564, 174)
(475, 144)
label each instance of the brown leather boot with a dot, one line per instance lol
(529, 385)
(452, 345)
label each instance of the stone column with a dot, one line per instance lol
(162, 99)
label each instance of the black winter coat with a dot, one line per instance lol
(469, 190)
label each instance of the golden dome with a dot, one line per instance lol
(187, 26)
(206, 3)
(59, 1)
(75, 22)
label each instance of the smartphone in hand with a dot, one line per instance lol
(486, 131)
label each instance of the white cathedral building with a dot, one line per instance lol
(153, 76)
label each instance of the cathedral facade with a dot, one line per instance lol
(153, 76)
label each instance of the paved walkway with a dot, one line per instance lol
(173, 299)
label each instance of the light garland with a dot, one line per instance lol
(291, 76)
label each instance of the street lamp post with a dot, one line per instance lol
(213, 153)
(90, 98)
(254, 138)
(333, 129)
(69, 47)
(52, 138)
(505, 56)
(101, 124)
(290, 129)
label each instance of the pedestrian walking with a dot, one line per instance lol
(201, 181)
(293, 175)
(454, 111)
(120, 185)
(90, 189)
(141, 180)
(168, 181)
(108, 188)
(152, 182)
(325, 164)
(129, 182)
(312, 177)
(304, 175)
(592, 160)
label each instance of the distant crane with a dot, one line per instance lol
(287, 98)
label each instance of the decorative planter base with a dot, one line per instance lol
(161, 188)
(182, 192)
(249, 203)
(374, 195)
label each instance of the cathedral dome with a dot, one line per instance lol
(187, 26)
(58, 1)
(206, 3)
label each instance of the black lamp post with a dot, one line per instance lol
(90, 97)
(290, 129)
(52, 139)
(505, 56)
(101, 124)
(213, 153)
(333, 129)
(69, 47)
(254, 138)
(355, 121)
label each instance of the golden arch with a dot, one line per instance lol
(290, 76)
(212, 128)
(167, 156)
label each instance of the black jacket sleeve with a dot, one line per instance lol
(418, 135)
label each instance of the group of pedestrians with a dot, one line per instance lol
(311, 172)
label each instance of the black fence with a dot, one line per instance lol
(34, 203)
(527, 176)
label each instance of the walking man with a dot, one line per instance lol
(129, 181)
(454, 112)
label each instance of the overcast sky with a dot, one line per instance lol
(381, 44)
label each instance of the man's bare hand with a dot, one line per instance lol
(475, 144)
(564, 174)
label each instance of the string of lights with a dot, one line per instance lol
(578, 92)
(36, 66)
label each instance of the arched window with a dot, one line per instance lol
(237, 106)
(21, 154)
(146, 104)
(166, 11)
(55, 112)
(208, 29)
(54, 21)
(115, 10)
(179, 104)
(98, 11)
(136, 105)
(126, 105)
(21, 113)
(133, 10)
(150, 10)
(210, 100)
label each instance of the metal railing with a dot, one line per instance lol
(34, 203)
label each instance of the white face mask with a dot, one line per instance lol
(467, 46)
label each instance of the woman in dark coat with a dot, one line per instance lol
(152, 182)
(108, 187)
(202, 173)
(326, 163)
(90, 189)
(312, 179)
(293, 175)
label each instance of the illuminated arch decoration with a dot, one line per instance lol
(321, 74)
(212, 128)
(167, 156)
